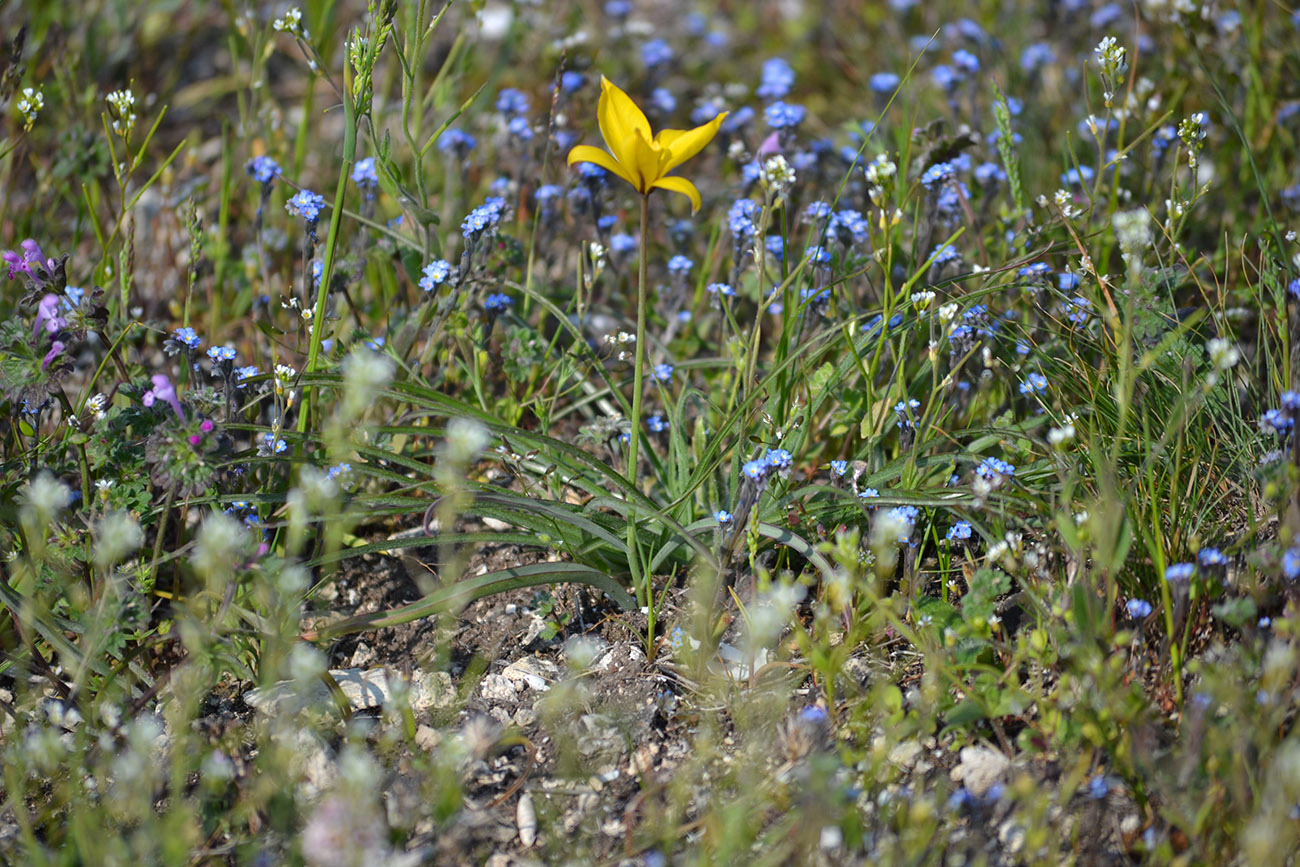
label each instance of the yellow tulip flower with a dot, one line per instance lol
(637, 158)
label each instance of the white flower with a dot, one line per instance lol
(306, 663)
(1132, 230)
(116, 535)
(1223, 355)
(44, 497)
(96, 405)
(291, 23)
(220, 539)
(880, 170)
(318, 487)
(364, 374)
(29, 105)
(465, 439)
(1060, 436)
(291, 579)
(777, 175)
(1064, 201)
(121, 110)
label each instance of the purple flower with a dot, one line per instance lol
(186, 337)
(56, 349)
(32, 264)
(1138, 608)
(456, 142)
(513, 101)
(166, 392)
(365, 176)
(938, 175)
(813, 715)
(884, 83)
(264, 170)
(243, 373)
(520, 128)
(783, 115)
(1035, 383)
(656, 52)
(1291, 564)
(778, 78)
(307, 205)
(968, 63)
(47, 316)
(435, 273)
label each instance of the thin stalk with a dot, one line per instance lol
(638, 380)
(331, 242)
(162, 531)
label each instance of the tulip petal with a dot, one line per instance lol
(686, 143)
(647, 160)
(619, 118)
(589, 154)
(677, 184)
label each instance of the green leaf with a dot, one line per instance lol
(822, 378)
(942, 615)
(1236, 612)
(966, 712)
(986, 585)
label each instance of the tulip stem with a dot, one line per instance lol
(638, 379)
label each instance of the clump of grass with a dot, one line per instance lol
(959, 421)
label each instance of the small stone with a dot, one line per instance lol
(363, 655)
(643, 760)
(904, 755)
(431, 690)
(498, 688)
(526, 820)
(363, 688)
(980, 768)
(1012, 837)
(532, 671)
(427, 738)
(312, 764)
(536, 626)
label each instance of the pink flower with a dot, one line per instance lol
(47, 316)
(166, 392)
(56, 349)
(23, 264)
(770, 146)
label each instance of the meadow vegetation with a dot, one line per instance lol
(917, 427)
